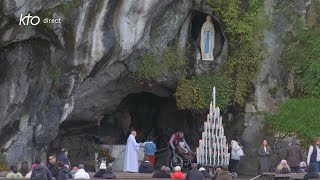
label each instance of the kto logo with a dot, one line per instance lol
(34, 20)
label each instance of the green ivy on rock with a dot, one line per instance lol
(244, 29)
(303, 59)
(300, 114)
(196, 93)
(3, 163)
(153, 66)
(297, 116)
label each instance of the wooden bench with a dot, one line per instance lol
(268, 175)
(290, 176)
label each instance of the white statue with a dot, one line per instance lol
(207, 40)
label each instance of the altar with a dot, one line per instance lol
(118, 152)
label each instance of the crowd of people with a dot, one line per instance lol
(293, 160)
(59, 167)
(177, 142)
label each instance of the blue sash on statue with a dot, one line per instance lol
(207, 41)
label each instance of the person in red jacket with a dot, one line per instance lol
(173, 143)
(177, 173)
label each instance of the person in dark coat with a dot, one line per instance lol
(102, 170)
(311, 173)
(204, 172)
(53, 168)
(63, 157)
(63, 171)
(163, 173)
(40, 172)
(294, 156)
(264, 153)
(145, 167)
(109, 174)
(24, 170)
(194, 173)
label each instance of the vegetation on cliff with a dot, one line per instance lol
(244, 30)
(299, 117)
(243, 27)
(300, 113)
(154, 66)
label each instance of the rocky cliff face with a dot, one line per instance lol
(83, 66)
(271, 85)
(80, 67)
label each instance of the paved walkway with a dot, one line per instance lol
(132, 176)
(136, 176)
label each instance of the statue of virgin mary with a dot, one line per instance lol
(207, 40)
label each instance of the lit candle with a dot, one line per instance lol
(214, 156)
(214, 97)
(210, 154)
(222, 131)
(210, 110)
(216, 131)
(197, 151)
(218, 154)
(206, 148)
(214, 120)
(198, 155)
(202, 155)
(218, 112)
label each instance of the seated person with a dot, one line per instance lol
(283, 168)
(224, 174)
(163, 173)
(14, 174)
(73, 171)
(24, 170)
(311, 173)
(173, 143)
(216, 172)
(177, 173)
(63, 171)
(109, 174)
(81, 173)
(204, 172)
(102, 170)
(182, 147)
(302, 167)
(194, 173)
(29, 174)
(183, 151)
(145, 167)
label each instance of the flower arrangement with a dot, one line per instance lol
(104, 154)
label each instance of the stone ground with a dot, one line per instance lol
(122, 175)
(133, 176)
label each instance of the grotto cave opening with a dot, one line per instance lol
(148, 114)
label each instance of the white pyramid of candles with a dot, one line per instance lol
(213, 147)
